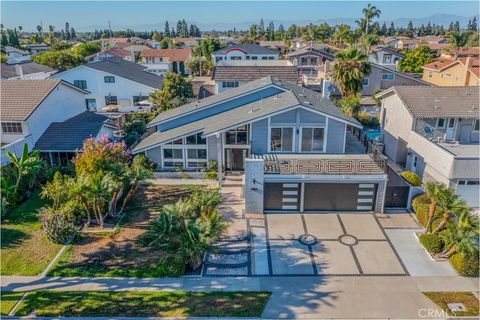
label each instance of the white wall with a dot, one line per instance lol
(123, 88)
(219, 86)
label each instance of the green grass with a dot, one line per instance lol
(24, 250)
(9, 299)
(144, 304)
(441, 299)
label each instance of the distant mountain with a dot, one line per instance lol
(439, 19)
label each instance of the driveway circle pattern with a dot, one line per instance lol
(308, 239)
(348, 240)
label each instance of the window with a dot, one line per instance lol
(111, 100)
(312, 139)
(271, 58)
(313, 61)
(109, 79)
(449, 74)
(430, 74)
(472, 183)
(235, 58)
(440, 123)
(281, 139)
(254, 58)
(476, 125)
(388, 76)
(264, 58)
(387, 58)
(237, 136)
(457, 78)
(12, 127)
(230, 84)
(197, 154)
(196, 139)
(178, 141)
(91, 104)
(365, 82)
(137, 99)
(303, 60)
(82, 84)
(218, 59)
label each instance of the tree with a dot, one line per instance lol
(350, 105)
(369, 13)
(458, 240)
(68, 36)
(432, 191)
(59, 60)
(391, 29)
(174, 86)
(165, 43)
(410, 32)
(350, 68)
(261, 26)
(415, 59)
(87, 48)
(384, 30)
(40, 31)
(342, 35)
(199, 65)
(167, 30)
(473, 25)
(368, 41)
(449, 205)
(458, 40)
(3, 58)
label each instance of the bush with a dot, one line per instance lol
(431, 242)
(212, 175)
(57, 227)
(411, 178)
(466, 265)
(420, 206)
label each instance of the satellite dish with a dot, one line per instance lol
(427, 130)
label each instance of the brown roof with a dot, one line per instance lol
(473, 51)
(249, 73)
(180, 40)
(435, 46)
(434, 102)
(19, 98)
(442, 64)
(171, 54)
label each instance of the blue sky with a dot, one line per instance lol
(128, 13)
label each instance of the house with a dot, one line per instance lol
(473, 52)
(202, 87)
(30, 106)
(26, 70)
(385, 56)
(113, 84)
(134, 52)
(278, 46)
(434, 132)
(115, 52)
(234, 51)
(186, 42)
(389, 41)
(230, 74)
(451, 72)
(310, 58)
(295, 148)
(160, 61)
(15, 55)
(37, 48)
(111, 42)
(407, 43)
(433, 40)
(62, 140)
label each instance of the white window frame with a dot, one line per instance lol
(324, 146)
(444, 123)
(386, 76)
(281, 138)
(12, 127)
(184, 147)
(367, 80)
(473, 125)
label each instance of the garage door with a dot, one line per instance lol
(282, 196)
(339, 197)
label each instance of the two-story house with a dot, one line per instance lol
(15, 55)
(113, 84)
(25, 70)
(161, 61)
(234, 51)
(30, 106)
(37, 48)
(385, 57)
(434, 132)
(451, 72)
(294, 147)
(310, 58)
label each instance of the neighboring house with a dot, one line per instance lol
(235, 51)
(294, 146)
(60, 142)
(37, 48)
(111, 42)
(434, 132)
(25, 70)
(433, 40)
(231, 74)
(278, 46)
(115, 52)
(309, 59)
(389, 41)
(160, 61)
(189, 42)
(30, 106)
(15, 55)
(119, 84)
(385, 57)
(154, 44)
(134, 52)
(202, 87)
(473, 52)
(450, 72)
(407, 43)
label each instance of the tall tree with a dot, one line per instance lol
(68, 36)
(40, 31)
(261, 26)
(458, 40)
(167, 29)
(369, 13)
(391, 29)
(410, 32)
(174, 86)
(350, 68)
(415, 59)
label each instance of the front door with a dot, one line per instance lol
(235, 159)
(450, 131)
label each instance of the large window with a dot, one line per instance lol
(312, 139)
(109, 79)
(440, 123)
(388, 76)
(91, 104)
(476, 125)
(82, 84)
(12, 127)
(237, 136)
(230, 84)
(387, 58)
(281, 139)
(197, 154)
(111, 100)
(137, 99)
(196, 139)
(173, 157)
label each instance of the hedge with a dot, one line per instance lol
(431, 242)
(420, 207)
(411, 178)
(466, 265)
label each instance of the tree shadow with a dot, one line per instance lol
(11, 237)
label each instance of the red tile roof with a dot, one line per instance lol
(171, 54)
(441, 64)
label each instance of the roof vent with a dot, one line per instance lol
(307, 102)
(276, 97)
(253, 109)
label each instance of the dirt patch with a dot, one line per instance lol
(118, 252)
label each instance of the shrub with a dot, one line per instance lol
(420, 206)
(432, 242)
(57, 227)
(466, 265)
(212, 175)
(411, 178)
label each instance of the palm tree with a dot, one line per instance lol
(350, 68)
(368, 41)
(449, 205)
(342, 35)
(40, 30)
(369, 13)
(458, 240)
(432, 190)
(458, 40)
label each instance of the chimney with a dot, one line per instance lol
(19, 70)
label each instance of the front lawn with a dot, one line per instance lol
(9, 299)
(119, 254)
(24, 250)
(144, 304)
(468, 299)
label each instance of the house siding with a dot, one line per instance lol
(335, 136)
(259, 143)
(212, 150)
(375, 81)
(155, 154)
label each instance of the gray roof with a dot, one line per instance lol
(9, 70)
(247, 48)
(70, 134)
(9, 49)
(249, 73)
(128, 70)
(308, 50)
(434, 102)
